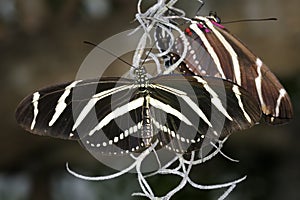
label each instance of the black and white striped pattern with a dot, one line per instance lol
(120, 116)
(213, 51)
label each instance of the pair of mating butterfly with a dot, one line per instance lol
(223, 87)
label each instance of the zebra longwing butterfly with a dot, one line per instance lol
(123, 115)
(213, 51)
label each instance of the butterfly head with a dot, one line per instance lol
(213, 17)
(203, 22)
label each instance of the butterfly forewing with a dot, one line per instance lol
(36, 111)
(51, 110)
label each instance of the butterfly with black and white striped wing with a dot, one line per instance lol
(213, 51)
(118, 116)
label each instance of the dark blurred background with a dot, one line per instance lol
(41, 43)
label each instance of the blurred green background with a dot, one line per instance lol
(41, 44)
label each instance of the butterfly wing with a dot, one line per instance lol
(117, 116)
(207, 108)
(214, 51)
(257, 78)
(36, 111)
(51, 110)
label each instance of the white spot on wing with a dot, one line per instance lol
(237, 92)
(282, 93)
(116, 139)
(94, 100)
(168, 109)
(118, 112)
(215, 99)
(188, 100)
(258, 84)
(196, 108)
(35, 99)
(61, 104)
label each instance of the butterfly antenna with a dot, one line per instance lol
(109, 52)
(250, 20)
(148, 54)
(200, 7)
